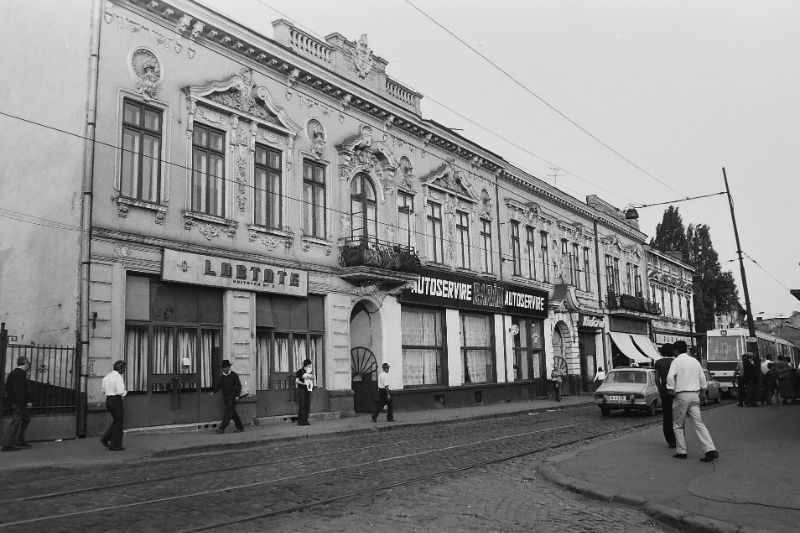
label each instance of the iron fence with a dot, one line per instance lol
(51, 376)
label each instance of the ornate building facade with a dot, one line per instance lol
(670, 282)
(267, 200)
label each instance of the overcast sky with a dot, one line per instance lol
(678, 88)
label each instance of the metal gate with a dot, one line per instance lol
(364, 371)
(53, 377)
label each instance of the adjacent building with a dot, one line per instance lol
(186, 190)
(670, 282)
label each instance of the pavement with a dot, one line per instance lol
(751, 488)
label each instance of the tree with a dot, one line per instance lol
(670, 234)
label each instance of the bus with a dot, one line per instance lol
(726, 346)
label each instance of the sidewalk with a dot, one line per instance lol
(753, 486)
(165, 442)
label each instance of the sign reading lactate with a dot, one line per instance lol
(197, 269)
(470, 293)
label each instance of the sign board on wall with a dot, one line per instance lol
(197, 269)
(463, 292)
(591, 321)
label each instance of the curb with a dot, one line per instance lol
(227, 446)
(686, 522)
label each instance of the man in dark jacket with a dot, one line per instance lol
(662, 369)
(20, 401)
(231, 388)
(751, 372)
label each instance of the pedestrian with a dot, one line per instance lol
(687, 381)
(771, 384)
(384, 395)
(114, 389)
(20, 401)
(738, 380)
(599, 377)
(785, 375)
(751, 370)
(231, 387)
(304, 378)
(764, 369)
(555, 377)
(662, 367)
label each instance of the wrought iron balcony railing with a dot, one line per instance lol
(632, 303)
(357, 251)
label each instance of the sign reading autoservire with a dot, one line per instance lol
(197, 269)
(463, 292)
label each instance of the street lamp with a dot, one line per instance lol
(752, 344)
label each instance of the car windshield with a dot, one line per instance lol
(626, 377)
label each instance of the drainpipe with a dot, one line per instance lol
(87, 184)
(500, 264)
(599, 286)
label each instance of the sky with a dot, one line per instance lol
(637, 101)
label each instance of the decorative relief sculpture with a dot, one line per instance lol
(148, 71)
(362, 57)
(486, 205)
(405, 177)
(316, 135)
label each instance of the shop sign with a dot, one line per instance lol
(197, 269)
(590, 321)
(463, 292)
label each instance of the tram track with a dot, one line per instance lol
(342, 480)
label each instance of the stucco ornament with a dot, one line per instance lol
(148, 71)
(316, 135)
(362, 58)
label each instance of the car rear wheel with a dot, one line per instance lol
(605, 411)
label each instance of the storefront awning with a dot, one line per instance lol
(646, 346)
(625, 345)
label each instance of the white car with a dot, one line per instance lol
(629, 389)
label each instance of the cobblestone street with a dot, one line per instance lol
(477, 475)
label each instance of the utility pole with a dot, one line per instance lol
(752, 345)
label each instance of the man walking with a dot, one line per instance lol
(231, 387)
(687, 381)
(19, 398)
(384, 395)
(662, 370)
(114, 389)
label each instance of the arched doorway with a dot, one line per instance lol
(365, 341)
(562, 342)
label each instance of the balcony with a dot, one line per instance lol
(374, 261)
(627, 302)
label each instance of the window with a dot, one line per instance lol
(680, 307)
(628, 278)
(435, 236)
(531, 252)
(208, 171)
(671, 304)
(545, 257)
(423, 347)
(616, 275)
(637, 280)
(314, 199)
(462, 232)
(477, 348)
(576, 265)
(405, 212)
(516, 259)
(528, 354)
(141, 152)
(612, 274)
(267, 185)
(486, 246)
(587, 276)
(363, 208)
(566, 263)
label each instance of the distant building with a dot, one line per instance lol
(786, 327)
(670, 282)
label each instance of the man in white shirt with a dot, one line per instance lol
(114, 389)
(384, 395)
(685, 381)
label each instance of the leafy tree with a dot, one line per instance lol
(671, 234)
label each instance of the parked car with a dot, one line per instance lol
(713, 390)
(629, 389)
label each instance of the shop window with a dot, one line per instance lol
(140, 177)
(477, 348)
(423, 347)
(172, 332)
(267, 195)
(528, 353)
(314, 199)
(208, 171)
(288, 331)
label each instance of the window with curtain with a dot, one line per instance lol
(516, 257)
(141, 151)
(405, 213)
(363, 208)
(435, 235)
(530, 252)
(477, 348)
(423, 347)
(545, 257)
(487, 264)
(462, 234)
(267, 187)
(208, 170)
(314, 204)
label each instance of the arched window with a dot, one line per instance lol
(363, 208)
